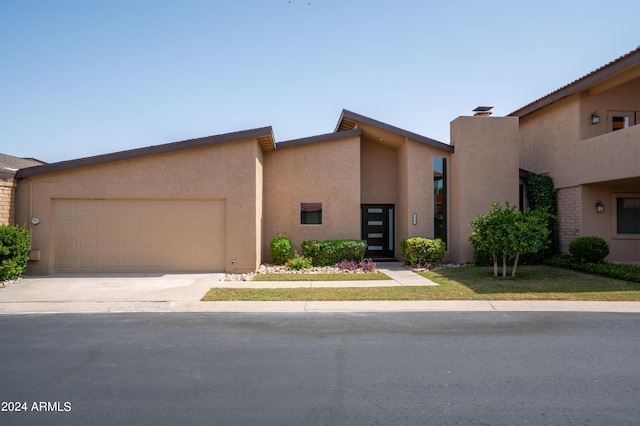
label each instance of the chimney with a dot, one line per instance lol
(483, 111)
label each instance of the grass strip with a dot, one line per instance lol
(468, 283)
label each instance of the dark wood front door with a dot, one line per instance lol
(377, 229)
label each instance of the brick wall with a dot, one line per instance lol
(569, 202)
(7, 201)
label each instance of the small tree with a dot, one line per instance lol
(509, 232)
(531, 234)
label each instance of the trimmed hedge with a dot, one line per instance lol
(589, 249)
(422, 251)
(330, 252)
(14, 251)
(619, 271)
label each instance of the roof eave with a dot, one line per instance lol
(347, 115)
(264, 135)
(582, 83)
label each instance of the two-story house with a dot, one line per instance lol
(585, 136)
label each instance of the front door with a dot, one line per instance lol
(377, 229)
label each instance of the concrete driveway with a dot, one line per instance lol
(111, 288)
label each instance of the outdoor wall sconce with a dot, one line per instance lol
(599, 207)
(595, 118)
(415, 219)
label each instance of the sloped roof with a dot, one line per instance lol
(349, 120)
(264, 135)
(582, 83)
(9, 164)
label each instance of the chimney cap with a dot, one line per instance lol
(483, 109)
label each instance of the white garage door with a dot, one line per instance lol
(139, 236)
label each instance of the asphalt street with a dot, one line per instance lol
(432, 368)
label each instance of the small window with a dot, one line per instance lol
(628, 215)
(619, 120)
(311, 213)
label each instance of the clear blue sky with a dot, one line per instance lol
(81, 78)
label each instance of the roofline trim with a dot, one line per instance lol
(393, 129)
(580, 84)
(319, 138)
(142, 152)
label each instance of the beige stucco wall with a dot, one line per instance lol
(324, 172)
(602, 100)
(561, 141)
(379, 173)
(622, 248)
(483, 169)
(548, 140)
(614, 155)
(222, 171)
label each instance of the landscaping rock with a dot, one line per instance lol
(281, 269)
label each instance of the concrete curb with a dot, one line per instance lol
(317, 307)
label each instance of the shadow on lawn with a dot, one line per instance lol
(534, 279)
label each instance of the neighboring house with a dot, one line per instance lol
(584, 135)
(215, 203)
(9, 165)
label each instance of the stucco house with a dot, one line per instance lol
(215, 203)
(584, 135)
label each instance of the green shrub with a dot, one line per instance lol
(330, 252)
(589, 249)
(422, 251)
(14, 251)
(618, 271)
(299, 262)
(281, 249)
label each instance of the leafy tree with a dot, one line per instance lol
(510, 233)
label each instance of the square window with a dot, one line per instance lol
(310, 213)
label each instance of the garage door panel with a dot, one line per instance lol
(91, 244)
(139, 235)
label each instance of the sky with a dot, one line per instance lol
(81, 78)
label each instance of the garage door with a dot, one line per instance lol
(139, 236)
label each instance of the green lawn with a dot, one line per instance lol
(466, 283)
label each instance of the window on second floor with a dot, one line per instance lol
(618, 120)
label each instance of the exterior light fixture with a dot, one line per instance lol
(415, 219)
(599, 207)
(595, 118)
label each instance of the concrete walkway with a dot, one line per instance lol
(400, 276)
(182, 293)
